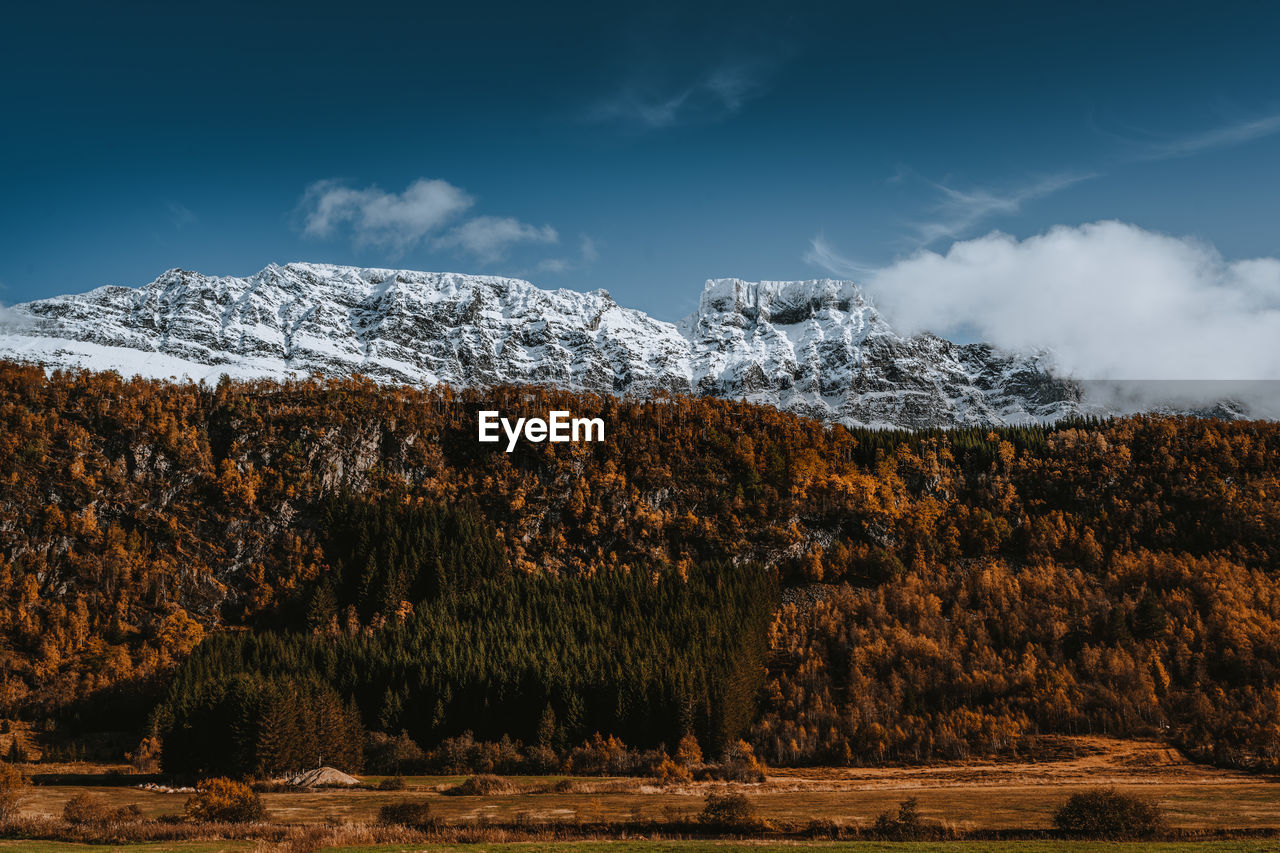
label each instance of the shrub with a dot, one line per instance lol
(275, 786)
(392, 783)
(93, 809)
(1108, 813)
(12, 791)
(601, 756)
(405, 813)
(482, 785)
(672, 773)
(733, 811)
(222, 799)
(740, 764)
(86, 808)
(905, 825)
(824, 827)
(146, 758)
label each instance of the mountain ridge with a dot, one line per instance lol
(816, 347)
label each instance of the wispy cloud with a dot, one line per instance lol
(823, 254)
(588, 253)
(955, 214)
(1147, 147)
(489, 237)
(959, 211)
(180, 215)
(397, 222)
(712, 97)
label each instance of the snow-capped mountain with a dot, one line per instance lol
(817, 348)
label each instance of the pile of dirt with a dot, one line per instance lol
(481, 786)
(321, 777)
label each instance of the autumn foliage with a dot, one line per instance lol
(942, 594)
(13, 785)
(224, 800)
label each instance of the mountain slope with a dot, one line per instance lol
(813, 347)
(944, 593)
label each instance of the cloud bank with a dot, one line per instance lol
(1110, 300)
(398, 222)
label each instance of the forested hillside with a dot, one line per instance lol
(711, 568)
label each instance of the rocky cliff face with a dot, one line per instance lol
(813, 347)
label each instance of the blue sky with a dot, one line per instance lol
(637, 147)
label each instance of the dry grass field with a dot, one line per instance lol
(639, 846)
(977, 795)
(26, 846)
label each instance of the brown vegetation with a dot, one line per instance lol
(481, 786)
(1012, 800)
(87, 808)
(732, 811)
(953, 594)
(1108, 813)
(406, 813)
(13, 785)
(224, 801)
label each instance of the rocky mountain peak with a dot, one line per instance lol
(814, 347)
(781, 302)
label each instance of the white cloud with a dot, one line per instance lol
(713, 97)
(1109, 299)
(377, 218)
(400, 221)
(11, 319)
(489, 237)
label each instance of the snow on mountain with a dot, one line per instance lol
(817, 348)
